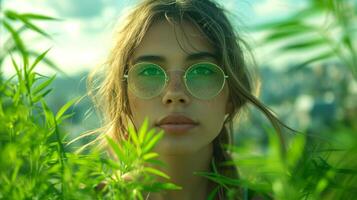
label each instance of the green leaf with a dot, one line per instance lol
(213, 193)
(156, 172)
(18, 72)
(11, 14)
(65, 107)
(158, 186)
(48, 62)
(15, 173)
(9, 43)
(116, 149)
(34, 27)
(153, 142)
(110, 162)
(281, 24)
(30, 25)
(222, 180)
(143, 130)
(296, 149)
(48, 114)
(302, 45)
(8, 92)
(326, 5)
(41, 96)
(148, 136)
(156, 162)
(38, 17)
(18, 41)
(169, 186)
(138, 195)
(16, 97)
(212, 176)
(38, 59)
(6, 87)
(5, 179)
(64, 117)
(43, 85)
(150, 155)
(133, 135)
(214, 167)
(278, 35)
(31, 79)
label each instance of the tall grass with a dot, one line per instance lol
(35, 163)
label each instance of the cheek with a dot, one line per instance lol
(219, 104)
(213, 113)
(141, 109)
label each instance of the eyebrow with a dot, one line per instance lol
(190, 57)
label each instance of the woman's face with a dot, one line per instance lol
(175, 52)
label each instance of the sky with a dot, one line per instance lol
(83, 38)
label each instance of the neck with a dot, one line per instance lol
(181, 169)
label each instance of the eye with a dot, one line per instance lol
(150, 71)
(202, 71)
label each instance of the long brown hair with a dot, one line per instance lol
(110, 93)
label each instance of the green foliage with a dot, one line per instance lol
(132, 175)
(308, 170)
(32, 141)
(321, 166)
(325, 28)
(34, 161)
(14, 42)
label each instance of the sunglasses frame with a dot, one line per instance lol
(167, 79)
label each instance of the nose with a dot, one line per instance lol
(175, 91)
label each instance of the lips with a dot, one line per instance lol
(177, 123)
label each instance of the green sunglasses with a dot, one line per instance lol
(203, 80)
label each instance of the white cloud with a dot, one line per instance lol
(78, 44)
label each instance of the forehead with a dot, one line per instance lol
(173, 41)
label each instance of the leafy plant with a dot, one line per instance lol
(325, 29)
(34, 160)
(132, 175)
(32, 141)
(317, 165)
(14, 42)
(306, 171)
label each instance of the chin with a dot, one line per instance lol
(167, 148)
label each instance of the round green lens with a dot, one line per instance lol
(204, 80)
(146, 80)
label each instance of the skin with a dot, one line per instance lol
(191, 151)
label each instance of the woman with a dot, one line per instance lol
(180, 63)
